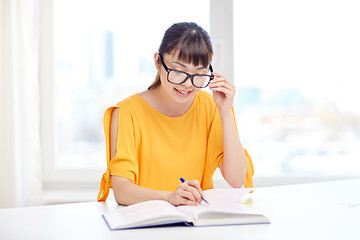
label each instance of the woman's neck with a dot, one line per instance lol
(161, 102)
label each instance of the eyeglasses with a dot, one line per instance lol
(179, 77)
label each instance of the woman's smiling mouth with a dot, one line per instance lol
(182, 92)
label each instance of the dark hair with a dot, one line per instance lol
(192, 43)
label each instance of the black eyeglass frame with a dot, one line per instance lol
(168, 70)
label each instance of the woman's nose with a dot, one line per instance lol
(188, 82)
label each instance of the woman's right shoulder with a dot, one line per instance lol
(126, 106)
(129, 103)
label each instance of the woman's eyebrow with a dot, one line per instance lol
(184, 66)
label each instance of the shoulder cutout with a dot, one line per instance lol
(113, 132)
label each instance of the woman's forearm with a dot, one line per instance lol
(127, 193)
(234, 166)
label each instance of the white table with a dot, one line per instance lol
(304, 211)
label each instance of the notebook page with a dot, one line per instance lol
(225, 195)
(145, 213)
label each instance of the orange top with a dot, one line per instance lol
(154, 150)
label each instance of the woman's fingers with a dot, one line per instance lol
(187, 193)
(223, 92)
(223, 85)
(193, 186)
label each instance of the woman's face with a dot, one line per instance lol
(185, 92)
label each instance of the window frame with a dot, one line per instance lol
(53, 176)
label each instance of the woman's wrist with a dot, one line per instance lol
(166, 196)
(228, 114)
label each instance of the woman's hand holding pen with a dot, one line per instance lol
(188, 192)
(223, 92)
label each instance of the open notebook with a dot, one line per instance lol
(224, 209)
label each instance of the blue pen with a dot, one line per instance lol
(183, 180)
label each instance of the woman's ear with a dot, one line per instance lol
(157, 61)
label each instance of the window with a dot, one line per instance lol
(296, 71)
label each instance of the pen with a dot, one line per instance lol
(183, 180)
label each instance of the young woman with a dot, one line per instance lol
(174, 129)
